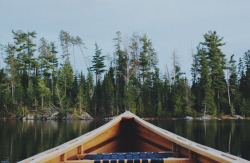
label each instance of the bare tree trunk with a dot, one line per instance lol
(83, 56)
(74, 58)
(58, 94)
(168, 77)
(174, 64)
(228, 93)
(194, 63)
(42, 102)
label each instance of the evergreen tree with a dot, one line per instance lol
(4, 94)
(232, 85)
(147, 58)
(54, 63)
(75, 92)
(65, 81)
(90, 92)
(108, 91)
(98, 63)
(216, 63)
(207, 93)
(44, 92)
(11, 62)
(65, 40)
(120, 72)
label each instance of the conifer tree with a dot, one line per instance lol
(12, 68)
(44, 92)
(4, 94)
(108, 91)
(207, 93)
(217, 63)
(147, 58)
(98, 63)
(65, 40)
(232, 85)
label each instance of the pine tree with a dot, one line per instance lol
(217, 63)
(207, 93)
(65, 81)
(4, 94)
(98, 63)
(90, 92)
(65, 40)
(44, 91)
(108, 94)
(120, 71)
(11, 62)
(232, 84)
(75, 92)
(156, 93)
(147, 58)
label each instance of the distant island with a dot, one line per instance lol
(34, 83)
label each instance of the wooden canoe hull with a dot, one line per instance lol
(129, 133)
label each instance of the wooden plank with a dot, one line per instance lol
(108, 135)
(153, 137)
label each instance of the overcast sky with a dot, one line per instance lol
(171, 25)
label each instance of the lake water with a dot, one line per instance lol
(22, 139)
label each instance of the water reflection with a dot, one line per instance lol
(22, 139)
(231, 136)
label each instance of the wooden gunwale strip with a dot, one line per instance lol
(64, 148)
(207, 152)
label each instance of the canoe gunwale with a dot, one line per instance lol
(61, 149)
(193, 147)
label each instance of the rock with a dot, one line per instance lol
(239, 117)
(52, 117)
(204, 118)
(71, 117)
(55, 114)
(85, 116)
(29, 117)
(188, 118)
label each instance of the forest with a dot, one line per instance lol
(33, 80)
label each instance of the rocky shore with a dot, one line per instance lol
(53, 116)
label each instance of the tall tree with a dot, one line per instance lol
(11, 62)
(148, 58)
(232, 84)
(217, 64)
(98, 63)
(207, 93)
(65, 40)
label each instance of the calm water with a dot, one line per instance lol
(22, 139)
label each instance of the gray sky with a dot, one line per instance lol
(170, 24)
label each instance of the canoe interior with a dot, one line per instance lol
(127, 136)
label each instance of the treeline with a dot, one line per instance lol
(132, 80)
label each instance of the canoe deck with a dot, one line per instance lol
(128, 138)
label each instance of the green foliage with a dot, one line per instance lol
(217, 63)
(98, 63)
(133, 81)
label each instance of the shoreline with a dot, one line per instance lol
(72, 118)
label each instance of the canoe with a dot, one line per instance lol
(129, 139)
